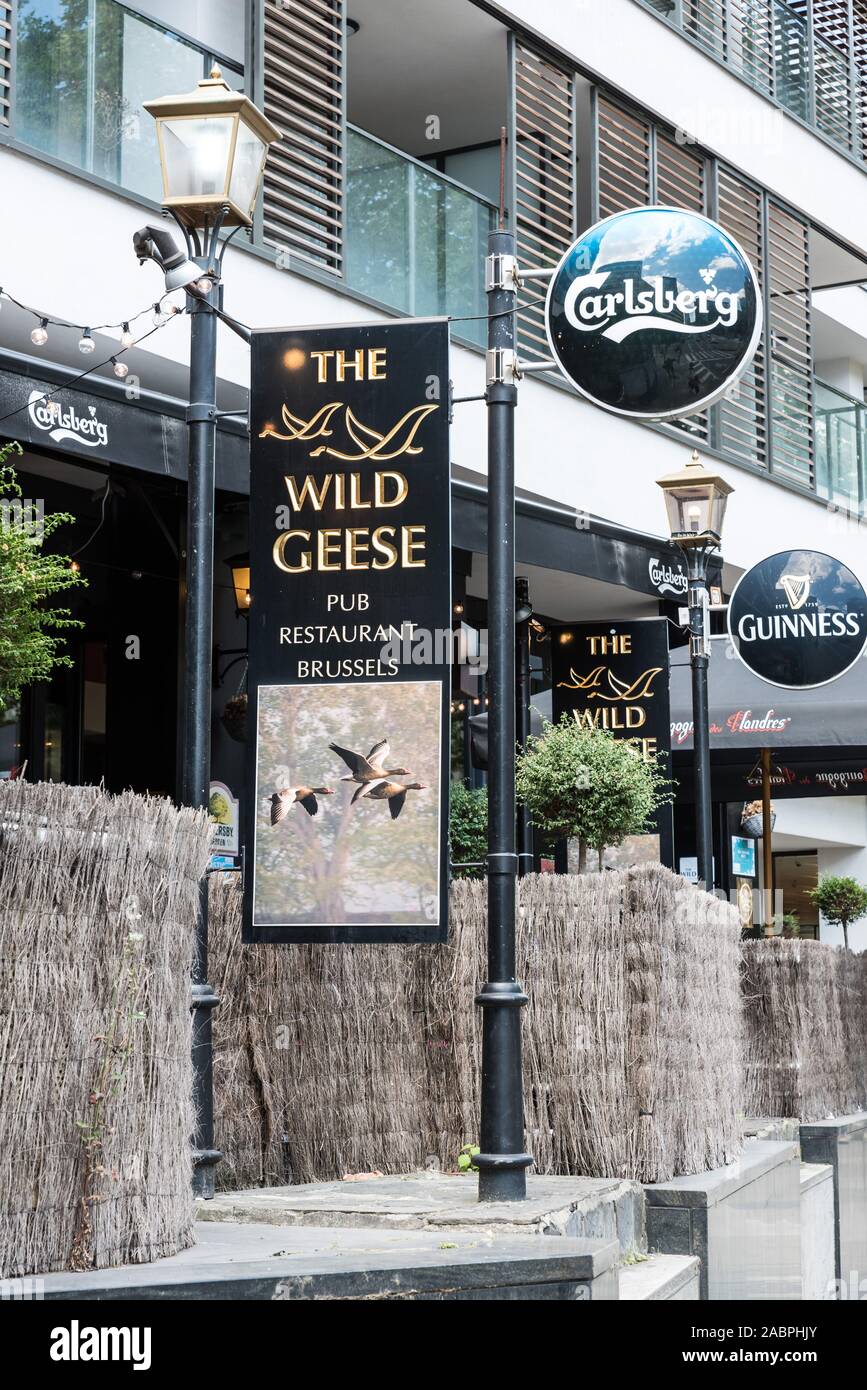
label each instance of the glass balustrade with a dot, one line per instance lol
(415, 240)
(83, 70)
(841, 449)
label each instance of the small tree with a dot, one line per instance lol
(586, 784)
(840, 901)
(28, 576)
(468, 828)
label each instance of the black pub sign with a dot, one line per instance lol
(615, 677)
(350, 635)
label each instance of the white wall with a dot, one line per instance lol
(836, 827)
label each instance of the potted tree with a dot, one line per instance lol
(585, 784)
(468, 830)
(840, 901)
(29, 575)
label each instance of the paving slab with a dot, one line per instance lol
(588, 1208)
(238, 1261)
(661, 1279)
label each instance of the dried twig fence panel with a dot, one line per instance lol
(334, 1059)
(805, 1008)
(82, 872)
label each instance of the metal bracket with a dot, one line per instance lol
(200, 412)
(502, 367)
(502, 273)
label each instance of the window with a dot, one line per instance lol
(83, 71)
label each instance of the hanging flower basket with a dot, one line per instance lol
(234, 718)
(752, 820)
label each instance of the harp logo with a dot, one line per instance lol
(796, 587)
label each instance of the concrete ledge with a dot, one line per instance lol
(765, 1127)
(842, 1143)
(817, 1232)
(742, 1221)
(661, 1278)
(585, 1208)
(232, 1262)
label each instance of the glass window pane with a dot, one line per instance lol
(197, 154)
(84, 70)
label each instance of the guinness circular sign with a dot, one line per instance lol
(654, 313)
(798, 619)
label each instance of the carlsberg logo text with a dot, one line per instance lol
(780, 625)
(618, 315)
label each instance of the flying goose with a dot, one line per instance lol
(392, 792)
(305, 796)
(369, 769)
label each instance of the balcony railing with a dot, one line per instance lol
(82, 73)
(415, 239)
(841, 449)
(808, 56)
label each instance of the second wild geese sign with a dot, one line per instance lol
(350, 628)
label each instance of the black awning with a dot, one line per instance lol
(818, 738)
(552, 537)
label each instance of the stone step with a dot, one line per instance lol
(603, 1209)
(661, 1278)
(231, 1261)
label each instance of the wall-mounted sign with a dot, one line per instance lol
(798, 619)
(614, 676)
(350, 635)
(223, 815)
(743, 856)
(654, 313)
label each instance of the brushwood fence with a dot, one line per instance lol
(336, 1059)
(97, 905)
(805, 1008)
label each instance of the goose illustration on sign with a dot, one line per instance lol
(654, 313)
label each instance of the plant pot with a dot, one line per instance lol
(234, 718)
(754, 825)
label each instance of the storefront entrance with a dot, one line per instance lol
(112, 715)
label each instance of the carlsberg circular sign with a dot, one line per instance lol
(798, 619)
(654, 313)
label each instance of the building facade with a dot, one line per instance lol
(377, 202)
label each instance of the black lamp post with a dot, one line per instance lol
(696, 501)
(213, 142)
(502, 1162)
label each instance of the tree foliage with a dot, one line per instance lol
(29, 575)
(586, 784)
(468, 828)
(840, 901)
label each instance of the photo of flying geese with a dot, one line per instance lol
(392, 792)
(369, 769)
(305, 796)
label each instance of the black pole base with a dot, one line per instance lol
(204, 1163)
(503, 1177)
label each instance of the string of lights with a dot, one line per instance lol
(86, 344)
(161, 317)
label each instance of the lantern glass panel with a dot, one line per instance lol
(196, 151)
(689, 510)
(246, 167)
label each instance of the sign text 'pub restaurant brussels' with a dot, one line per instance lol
(350, 555)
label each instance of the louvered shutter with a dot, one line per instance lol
(5, 60)
(543, 174)
(623, 172)
(680, 176)
(743, 430)
(303, 71)
(791, 347)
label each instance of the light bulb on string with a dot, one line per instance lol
(39, 336)
(160, 316)
(85, 342)
(205, 285)
(126, 338)
(120, 368)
